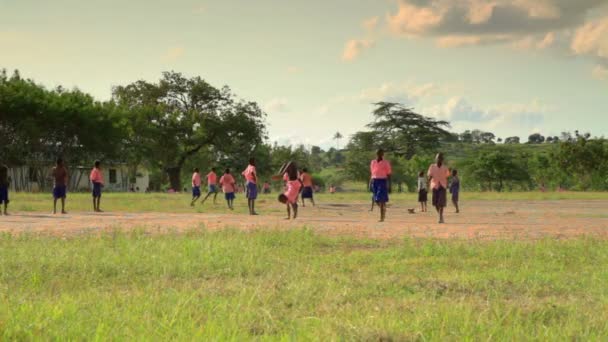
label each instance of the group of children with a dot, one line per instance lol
(60, 178)
(296, 183)
(438, 175)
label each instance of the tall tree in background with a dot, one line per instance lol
(178, 117)
(400, 130)
(337, 137)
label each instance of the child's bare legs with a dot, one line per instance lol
(295, 210)
(455, 202)
(98, 204)
(440, 211)
(5, 208)
(372, 208)
(194, 199)
(54, 206)
(288, 212)
(251, 203)
(382, 206)
(303, 202)
(215, 198)
(63, 206)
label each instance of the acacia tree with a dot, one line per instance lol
(402, 131)
(178, 117)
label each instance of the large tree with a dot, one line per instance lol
(177, 117)
(400, 130)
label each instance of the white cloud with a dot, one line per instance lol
(406, 93)
(370, 24)
(277, 105)
(600, 72)
(174, 53)
(592, 39)
(353, 48)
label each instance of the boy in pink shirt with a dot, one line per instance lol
(251, 185)
(438, 174)
(211, 185)
(380, 179)
(98, 183)
(228, 185)
(196, 186)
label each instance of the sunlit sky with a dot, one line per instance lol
(509, 66)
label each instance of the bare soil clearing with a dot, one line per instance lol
(527, 220)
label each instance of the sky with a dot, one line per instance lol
(512, 67)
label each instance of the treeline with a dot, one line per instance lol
(178, 123)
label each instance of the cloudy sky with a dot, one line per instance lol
(509, 66)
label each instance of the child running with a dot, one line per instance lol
(5, 182)
(307, 191)
(60, 183)
(228, 185)
(438, 174)
(196, 186)
(98, 183)
(211, 186)
(422, 192)
(455, 189)
(251, 185)
(380, 178)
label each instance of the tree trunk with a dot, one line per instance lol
(174, 174)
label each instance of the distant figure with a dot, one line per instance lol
(228, 185)
(132, 189)
(380, 177)
(136, 189)
(98, 183)
(196, 186)
(294, 185)
(60, 183)
(438, 175)
(171, 191)
(5, 183)
(211, 186)
(542, 187)
(266, 187)
(422, 192)
(455, 189)
(332, 189)
(307, 192)
(251, 185)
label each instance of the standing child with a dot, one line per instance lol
(251, 185)
(98, 183)
(438, 174)
(422, 192)
(380, 178)
(307, 191)
(5, 182)
(228, 185)
(211, 185)
(196, 186)
(60, 183)
(455, 189)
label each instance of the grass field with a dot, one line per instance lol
(179, 203)
(233, 285)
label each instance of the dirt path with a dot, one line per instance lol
(479, 220)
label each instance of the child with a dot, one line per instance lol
(251, 185)
(307, 192)
(5, 182)
(294, 185)
(455, 189)
(60, 183)
(196, 186)
(422, 192)
(371, 189)
(211, 185)
(380, 178)
(438, 174)
(332, 189)
(97, 180)
(266, 187)
(228, 185)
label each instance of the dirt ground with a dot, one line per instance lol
(478, 220)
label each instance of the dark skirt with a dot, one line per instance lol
(59, 191)
(196, 191)
(307, 192)
(4, 194)
(96, 189)
(423, 195)
(380, 190)
(439, 197)
(229, 196)
(252, 191)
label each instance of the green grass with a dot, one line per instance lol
(179, 203)
(232, 285)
